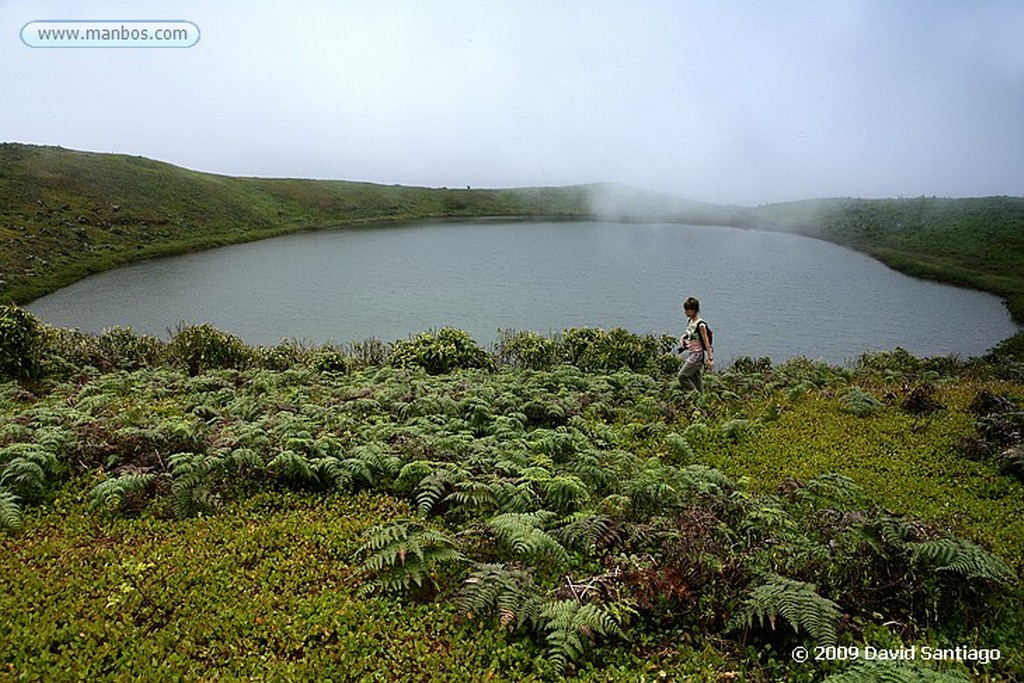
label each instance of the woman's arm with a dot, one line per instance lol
(709, 360)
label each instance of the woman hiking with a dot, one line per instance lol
(696, 346)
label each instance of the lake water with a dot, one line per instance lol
(763, 293)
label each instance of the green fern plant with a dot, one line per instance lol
(859, 402)
(125, 492)
(27, 470)
(523, 533)
(293, 468)
(572, 628)
(588, 532)
(679, 449)
(895, 672)
(797, 602)
(10, 511)
(192, 480)
(404, 554)
(504, 591)
(962, 558)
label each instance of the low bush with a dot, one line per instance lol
(444, 351)
(199, 348)
(19, 333)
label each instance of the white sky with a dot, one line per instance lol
(720, 101)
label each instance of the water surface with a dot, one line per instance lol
(764, 294)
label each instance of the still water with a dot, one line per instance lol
(764, 294)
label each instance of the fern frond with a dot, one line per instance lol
(476, 496)
(524, 535)
(797, 602)
(895, 672)
(963, 558)
(859, 402)
(503, 591)
(585, 533)
(572, 628)
(564, 493)
(10, 511)
(412, 474)
(705, 480)
(191, 483)
(28, 468)
(436, 486)
(403, 554)
(24, 477)
(835, 490)
(118, 491)
(679, 449)
(293, 467)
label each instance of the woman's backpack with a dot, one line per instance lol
(711, 336)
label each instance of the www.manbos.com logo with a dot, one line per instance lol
(128, 33)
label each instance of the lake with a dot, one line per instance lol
(763, 293)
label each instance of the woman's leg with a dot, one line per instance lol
(689, 377)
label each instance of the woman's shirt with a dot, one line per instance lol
(694, 347)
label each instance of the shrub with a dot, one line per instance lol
(19, 333)
(591, 349)
(203, 347)
(526, 350)
(438, 353)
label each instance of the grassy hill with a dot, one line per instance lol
(66, 214)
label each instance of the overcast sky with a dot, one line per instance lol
(728, 102)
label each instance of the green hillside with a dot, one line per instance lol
(66, 214)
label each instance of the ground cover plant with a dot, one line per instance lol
(553, 507)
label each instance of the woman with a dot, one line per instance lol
(696, 346)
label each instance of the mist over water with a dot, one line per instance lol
(764, 294)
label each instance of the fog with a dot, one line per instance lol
(723, 102)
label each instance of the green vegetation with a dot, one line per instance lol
(430, 510)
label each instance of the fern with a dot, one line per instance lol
(122, 492)
(522, 533)
(192, 477)
(679, 448)
(293, 468)
(895, 672)
(833, 489)
(477, 497)
(503, 591)
(586, 533)
(859, 402)
(28, 469)
(433, 488)
(564, 493)
(963, 558)
(411, 474)
(797, 602)
(403, 555)
(572, 628)
(10, 511)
